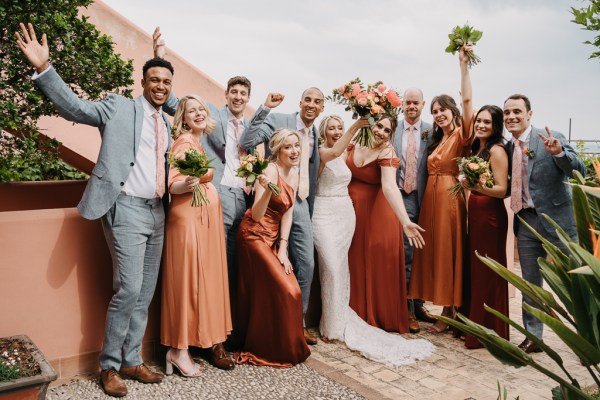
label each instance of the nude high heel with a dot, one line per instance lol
(196, 370)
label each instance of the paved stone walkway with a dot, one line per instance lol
(334, 372)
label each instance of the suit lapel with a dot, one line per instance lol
(224, 119)
(398, 139)
(139, 121)
(535, 145)
(423, 148)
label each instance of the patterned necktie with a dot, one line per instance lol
(159, 132)
(516, 190)
(238, 133)
(411, 162)
(303, 187)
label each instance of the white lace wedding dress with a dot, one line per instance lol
(333, 227)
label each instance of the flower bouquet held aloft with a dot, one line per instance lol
(196, 164)
(253, 165)
(475, 170)
(461, 36)
(374, 100)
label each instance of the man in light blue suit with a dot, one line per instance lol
(301, 239)
(542, 161)
(412, 106)
(124, 191)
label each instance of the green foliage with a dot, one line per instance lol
(461, 36)
(29, 158)
(588, 159)
(83, 56)
(589, 18)
(574, 278)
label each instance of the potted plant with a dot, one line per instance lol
(24, 371)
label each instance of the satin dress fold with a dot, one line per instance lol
(195, 309)
(376, 255)
(437, 270)
(269, 302)
(488, 226)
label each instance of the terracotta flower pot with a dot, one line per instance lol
(33, 387)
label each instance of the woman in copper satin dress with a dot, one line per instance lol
(488, 226)
(437, 273)
(195, 291)
(376, 256)
(269, 301)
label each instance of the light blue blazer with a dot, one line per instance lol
(119, 121)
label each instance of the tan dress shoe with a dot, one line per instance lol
(112, 383)
(220, 358)
(413, 324)
(141, 373)
(309, 337)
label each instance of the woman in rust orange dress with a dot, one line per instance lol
(376, 256)
(269, 301)
(195, 292)
(437, 273)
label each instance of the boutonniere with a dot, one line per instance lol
(321, 141)
(529, 153)
(425, 135)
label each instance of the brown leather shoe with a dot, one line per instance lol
(529, 346)
(309, 337)
(220, 358)
(413, 324)
(423, 314)
(112, 383)
(141, 373)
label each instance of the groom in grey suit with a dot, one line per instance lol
(124, 191)
(301, 238)
(412, 106)
(546, 161)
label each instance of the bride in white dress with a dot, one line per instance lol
(333, 227)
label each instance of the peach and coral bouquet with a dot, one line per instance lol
(253, 165)
(475, 170)
(374, 100)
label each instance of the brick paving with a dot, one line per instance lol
(452, 372)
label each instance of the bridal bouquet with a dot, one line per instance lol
(475, 170)
(253, 165)
(461, 36)
(193, 163)
(373, 100)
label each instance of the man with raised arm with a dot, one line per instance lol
(124, 191)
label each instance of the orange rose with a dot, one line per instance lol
(393, 98)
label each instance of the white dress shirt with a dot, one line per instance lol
(141, 181)
(232, 157)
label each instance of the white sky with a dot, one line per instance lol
(528, 46)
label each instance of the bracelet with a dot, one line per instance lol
(285, 240)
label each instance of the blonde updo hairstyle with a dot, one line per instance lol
(323, 126)
(278, 139)
(179, 126)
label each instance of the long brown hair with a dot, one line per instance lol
(448, 103)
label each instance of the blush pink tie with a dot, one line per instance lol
(516, 189)
(238, 133)
(411, 162)
(303, 187)
(159, 131)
